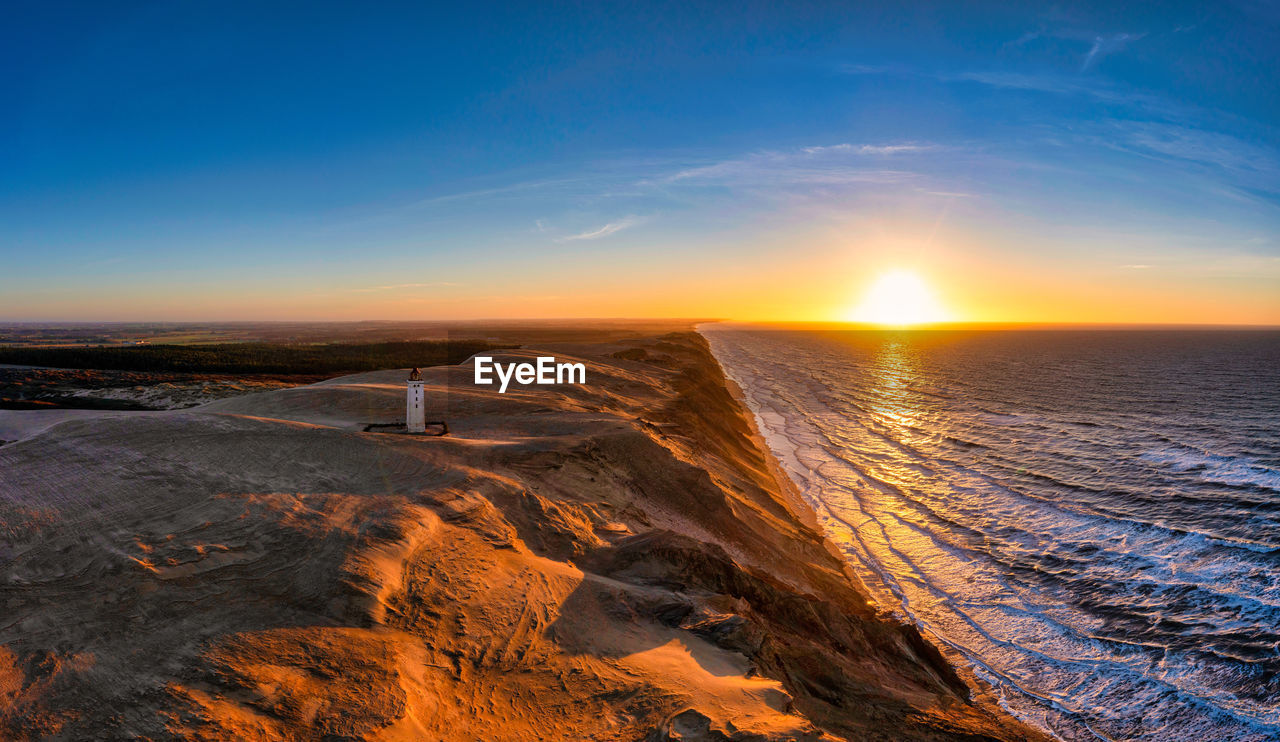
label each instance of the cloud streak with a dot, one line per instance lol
(825, 165)
(1243, 167)
(1101, 45)
(485, 193)
(608, 229)
(1107, 45)
(868, 149)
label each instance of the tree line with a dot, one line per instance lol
(252, 358)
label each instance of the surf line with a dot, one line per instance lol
(543, 372)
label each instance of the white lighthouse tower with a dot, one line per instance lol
(414, 405)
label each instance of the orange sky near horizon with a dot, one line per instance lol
(818, 275)
(996, 296)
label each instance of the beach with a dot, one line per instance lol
(616, 560)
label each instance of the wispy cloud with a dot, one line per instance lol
(484, 193)
(1065, 85)
(825, 165)
(1246, 169)
(1107, 45)
(1018, 81)
(868, 149)
(1101, 45)
(402, 286)
(611, 228)
(1201, 146)
(1136, 122)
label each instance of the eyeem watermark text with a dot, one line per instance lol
(545, 371)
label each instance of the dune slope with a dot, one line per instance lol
(614, 561)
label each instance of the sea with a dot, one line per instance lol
(1089, 519)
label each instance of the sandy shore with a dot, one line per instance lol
(616, 561)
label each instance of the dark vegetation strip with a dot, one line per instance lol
(252, 358)
(70, 402)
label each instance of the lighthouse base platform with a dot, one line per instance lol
(434, 429)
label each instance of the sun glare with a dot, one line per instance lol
(899, 298)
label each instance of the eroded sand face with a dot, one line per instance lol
(612, 561)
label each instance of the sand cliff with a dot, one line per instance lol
(615, 561)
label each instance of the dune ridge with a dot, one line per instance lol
(615, 561)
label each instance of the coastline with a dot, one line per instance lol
(981, 691)
(620, 560)
(787, 487)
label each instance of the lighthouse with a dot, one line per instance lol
(414, 405)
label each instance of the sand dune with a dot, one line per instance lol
(613, 562)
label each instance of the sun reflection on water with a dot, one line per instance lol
(894, 373)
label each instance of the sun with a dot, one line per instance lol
(899, 298)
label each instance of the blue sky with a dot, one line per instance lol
(313, 160)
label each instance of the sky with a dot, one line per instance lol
(1073, 162)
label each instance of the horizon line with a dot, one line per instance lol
(923, 326)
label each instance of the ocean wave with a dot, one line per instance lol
(1103, 552)
(1240, 471)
